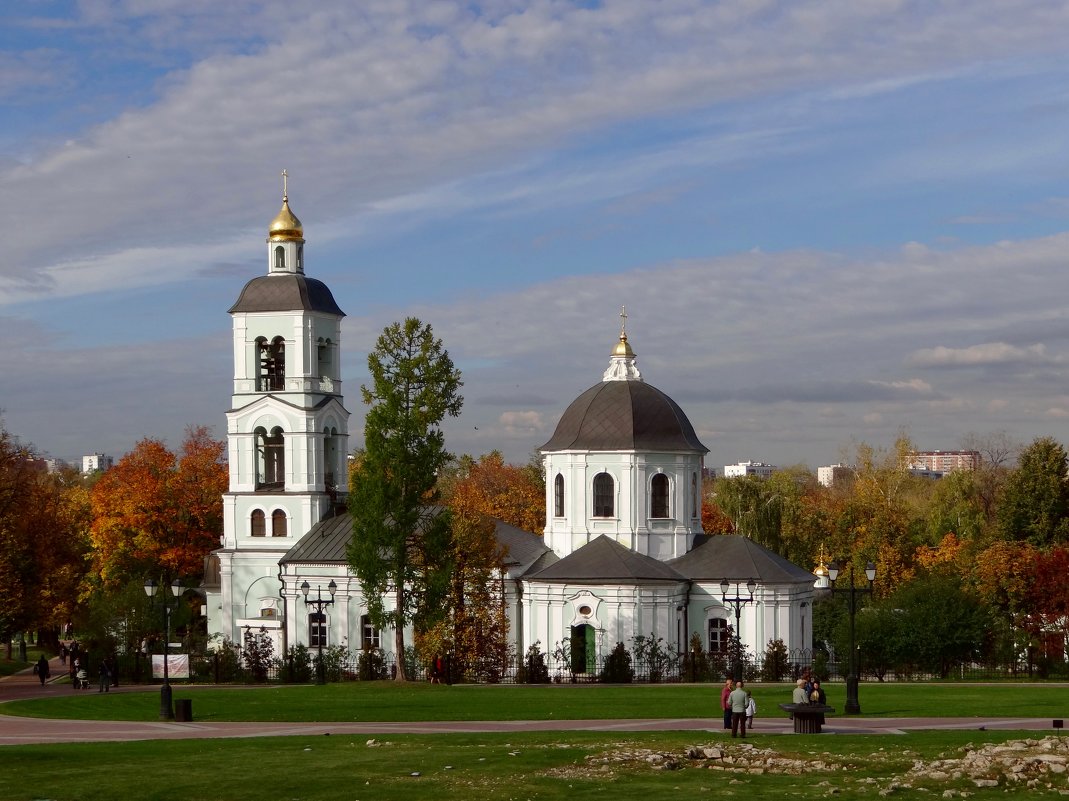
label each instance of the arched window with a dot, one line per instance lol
(300, 258)
(323, 358)
(331, 454)
(659, 496)
(558, 496)
(278, 523)
(280, 257)
(718, 635)
(270, 459)
(272, 364)
(259, 523)
(694, 495)
(603, 495)
(317, 630)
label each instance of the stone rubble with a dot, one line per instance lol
(1034, 763)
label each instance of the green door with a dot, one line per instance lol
(583, 657)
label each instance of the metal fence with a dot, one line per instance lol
(230, 667)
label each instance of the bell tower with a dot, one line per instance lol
(287, 429)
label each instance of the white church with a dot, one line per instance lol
(622, 555)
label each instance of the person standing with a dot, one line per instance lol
(105, 676)
(41, 669)
(751, 709)
(738, 699)
(725, 707)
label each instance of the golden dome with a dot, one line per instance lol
(285, 227)
(623, 348)
(820, 570)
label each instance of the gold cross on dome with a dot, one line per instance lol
(285, 193)
(623, 321)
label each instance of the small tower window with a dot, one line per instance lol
(259, 520)
(270, 459)
(278, 523)
(272, 364)
(323, 360)
(603, 495)
(280, 258)
(300, 258)
(558, 496)
(659, 496)
(694, 495)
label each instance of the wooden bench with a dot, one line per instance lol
(808, 718)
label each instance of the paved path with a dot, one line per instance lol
(18, 730)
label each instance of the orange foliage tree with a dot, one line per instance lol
(156, 513)
(510, 493)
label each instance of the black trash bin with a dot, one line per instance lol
(183, 710)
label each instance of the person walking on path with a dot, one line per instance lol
(41, 669)
(738, 699)
(725, 707)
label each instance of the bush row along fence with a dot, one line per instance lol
(339, 665)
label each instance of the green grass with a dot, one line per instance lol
(385, 701)
(566, 766)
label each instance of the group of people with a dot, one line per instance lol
(807, 690)
(739, 707)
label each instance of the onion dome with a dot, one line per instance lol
(285, 227)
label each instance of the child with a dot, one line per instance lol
(751, 709)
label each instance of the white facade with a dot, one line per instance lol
(96, 461)
(622, 555)
(287, 433)
(831, 474)
(759, 469)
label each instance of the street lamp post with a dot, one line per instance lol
(166, 708)
(320, 603)
(737, 601)
(852, 706)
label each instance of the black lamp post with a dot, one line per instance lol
(320, 603)
(852, 706)
(166, 708)
(738, 602)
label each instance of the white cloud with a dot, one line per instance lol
(987, 353)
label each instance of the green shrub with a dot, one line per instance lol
(618, 668)
(776, 665)
(534, 669)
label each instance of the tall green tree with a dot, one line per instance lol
(1035, 500)
(400, 541)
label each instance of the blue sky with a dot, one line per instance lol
(830, 221)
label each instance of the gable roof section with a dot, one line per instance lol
(737, 558)
(605, 560)
(325, 543)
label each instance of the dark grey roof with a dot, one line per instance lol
(738, 558)
(606, 560)
(624, 415)
(327, 542)
(524, 549)
(286, 292)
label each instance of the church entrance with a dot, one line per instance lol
(584, 657)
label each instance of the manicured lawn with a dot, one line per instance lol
(546, 766)
(384, 701)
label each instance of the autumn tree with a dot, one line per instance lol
(43, 521)
(157, 513)
(399, 543)
(511, 493)
(1035, 502)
